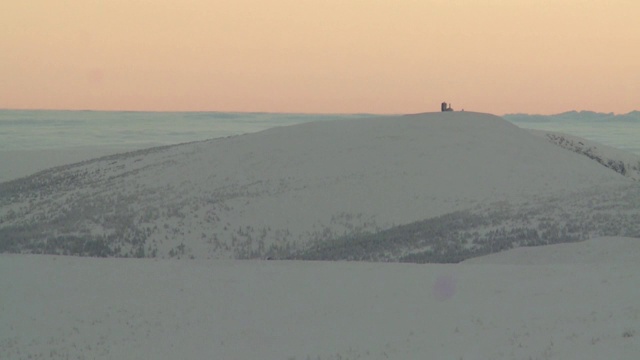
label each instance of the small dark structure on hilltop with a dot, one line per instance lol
(445, 107)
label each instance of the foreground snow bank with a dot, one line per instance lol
(64, 307)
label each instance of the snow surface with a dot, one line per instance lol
(570, 301)
(598, 251)
(20, 163)
(623, 162)
(439, 182)
(281, 190)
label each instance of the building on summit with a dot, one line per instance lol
(445, 107)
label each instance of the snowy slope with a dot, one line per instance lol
(598, 251)
(276, 192)
(625, 163)
(570, 308)
(20, 163)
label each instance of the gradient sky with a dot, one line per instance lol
(321, 56)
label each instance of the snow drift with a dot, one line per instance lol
(286, 191)
(568, 307)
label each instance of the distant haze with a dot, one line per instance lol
(329, 56)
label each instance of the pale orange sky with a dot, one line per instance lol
(322, 56)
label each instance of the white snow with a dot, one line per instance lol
(519, 304)
(290, 185)
(619, 160)
(604, 250)
(571, 301)
(20, 163)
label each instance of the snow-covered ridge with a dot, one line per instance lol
(289, 192)
(617, 160)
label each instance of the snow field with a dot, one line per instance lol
(568, 307)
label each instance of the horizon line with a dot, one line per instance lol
(304, 113)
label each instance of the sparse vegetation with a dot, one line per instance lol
(448, 238)
(629, 169)
(110, 207)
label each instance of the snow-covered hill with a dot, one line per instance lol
(559, 305)
(461, 183)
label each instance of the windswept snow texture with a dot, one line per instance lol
(561, 302)
(622, 162)
(436, 187)
(618, 130)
